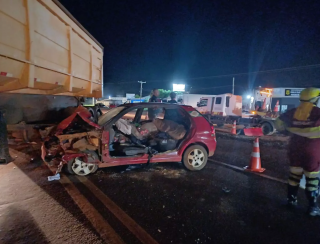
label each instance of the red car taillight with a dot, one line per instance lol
(213, 132)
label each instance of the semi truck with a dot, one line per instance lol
(227, 108)
(48, 61)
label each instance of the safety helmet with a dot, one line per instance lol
(309, 95)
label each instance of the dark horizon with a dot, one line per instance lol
(166, 42)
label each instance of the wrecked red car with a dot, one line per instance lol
(138, 133)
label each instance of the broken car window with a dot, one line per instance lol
(153, 113)
(110, 115)
(130, 115)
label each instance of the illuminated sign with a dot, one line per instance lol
(292, 92)
(179, 87)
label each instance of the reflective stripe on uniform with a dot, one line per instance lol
(311, 132)
(293, 182)
(296, 170)
(295, 176)
(312, 180)
(311, 174)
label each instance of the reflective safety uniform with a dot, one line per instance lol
(304, 146)
(304, 151)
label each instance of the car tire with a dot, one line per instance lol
(195, 158)
(267, 129)
(73, 166)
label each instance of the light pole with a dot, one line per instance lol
(233, 86)
(141, 83)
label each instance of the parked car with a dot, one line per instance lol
(128, 134)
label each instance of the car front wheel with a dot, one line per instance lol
(195, 158)
(79, 167)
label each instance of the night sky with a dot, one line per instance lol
(163, 42)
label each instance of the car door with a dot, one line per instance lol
(107, 139)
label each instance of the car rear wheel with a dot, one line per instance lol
(195, 158)
(79, 167)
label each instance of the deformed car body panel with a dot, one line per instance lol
(83, 113)
(200, 132)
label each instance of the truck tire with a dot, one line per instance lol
(267, 128)
(195, 158)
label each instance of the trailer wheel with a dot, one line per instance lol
(267, 128)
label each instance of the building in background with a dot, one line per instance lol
(288, 98)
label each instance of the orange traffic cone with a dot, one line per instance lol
(276, 108)
(234, 128)
(255, 163)
(264, 105)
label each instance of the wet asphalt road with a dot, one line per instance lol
(215, 205)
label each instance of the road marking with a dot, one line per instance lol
(242, 169)
(125, 219)
(105, 231)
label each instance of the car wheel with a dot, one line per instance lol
(267, 128)
(79, 167)
(195, 158)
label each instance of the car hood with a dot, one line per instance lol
(80, 111)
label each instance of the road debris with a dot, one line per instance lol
(54, 177)
(226, 190)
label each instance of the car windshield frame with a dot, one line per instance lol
(105, 118)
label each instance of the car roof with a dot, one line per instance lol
(130, 105)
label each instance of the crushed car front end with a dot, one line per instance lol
(75, 139)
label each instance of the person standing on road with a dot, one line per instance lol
(154, 96)
(153, 99)
(304, 147)
(173, 97)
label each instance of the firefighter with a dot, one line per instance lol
(303, 123)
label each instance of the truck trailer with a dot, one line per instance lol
(47, 61)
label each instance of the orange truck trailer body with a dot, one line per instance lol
(45, 51)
